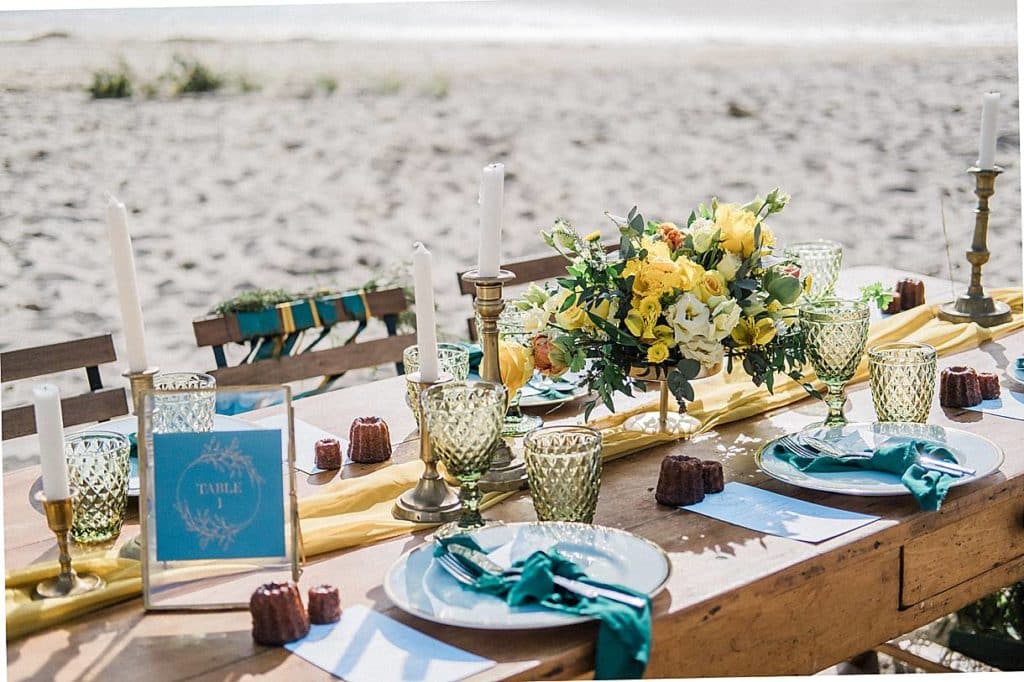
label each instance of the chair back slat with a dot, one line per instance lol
(328, 362)
(79, 409)
(27, 363)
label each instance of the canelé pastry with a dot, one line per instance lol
(369, 440)
(680, 482)
(278, 616)
(324, 604)
(989, 384)
(911, 292)
(959, 387)
(895, 305)
(328, 453)
(713, 475)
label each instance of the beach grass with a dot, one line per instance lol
(113, 83)
(191, 76)
(327, 84)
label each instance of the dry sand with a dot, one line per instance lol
(291, 186)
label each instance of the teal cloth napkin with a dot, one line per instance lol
(928, 487)
(624, 635)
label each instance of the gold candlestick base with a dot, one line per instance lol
(507, 473)
(59, 514)
(662, 422)
(138, 382)
(431, 501)
(976, 306)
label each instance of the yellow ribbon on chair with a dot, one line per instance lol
(357, 511)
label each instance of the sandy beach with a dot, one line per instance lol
(294, 185)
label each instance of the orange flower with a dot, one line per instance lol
(671, 235)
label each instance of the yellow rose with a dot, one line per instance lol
(689, 273)
(656, 250)
(574, 317)
(603, 310)
(516, 364)
(749, 332)
(657, 354)
(711, 284)
(653, 278)
(737, 225)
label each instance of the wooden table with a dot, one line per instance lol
(737, 603)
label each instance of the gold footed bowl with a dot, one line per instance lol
(664, 422)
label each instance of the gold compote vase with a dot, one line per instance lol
(677, 424)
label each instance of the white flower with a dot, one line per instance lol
(536, 320)
(707, 352)
(729, 265)
(689, 318)
(703, 233)
(725, 316)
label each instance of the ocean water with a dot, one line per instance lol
(754, 22)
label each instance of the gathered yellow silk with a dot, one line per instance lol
(357, 511)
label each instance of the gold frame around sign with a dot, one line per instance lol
(297, 553)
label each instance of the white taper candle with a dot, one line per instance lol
(127, 287)
(492, 191)
(50, 428)
(987, 143)
(426, 325)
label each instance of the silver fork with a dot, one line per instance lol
(810, 446)
(456, 570)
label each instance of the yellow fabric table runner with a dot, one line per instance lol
(357, 511)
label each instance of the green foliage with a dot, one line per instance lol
(113, 83)
(1000, 613)
(438, 87)
(190, 76)
(254, 300)
(876, 293)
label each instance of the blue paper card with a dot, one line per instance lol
(218, 495)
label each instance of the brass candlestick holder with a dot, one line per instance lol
(138, 381)
(975, 305)
(59, 514)
(431, 501)
(507, 472)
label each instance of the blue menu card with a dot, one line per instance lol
(218, 495)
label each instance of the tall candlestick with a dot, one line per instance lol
(426, 325)
(987, 144)
(50, 427)
(127, 287)
(492, 191)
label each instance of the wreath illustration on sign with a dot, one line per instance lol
(214, 525)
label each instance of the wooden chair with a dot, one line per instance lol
(526, 271)
(275, 355)
(99, 404)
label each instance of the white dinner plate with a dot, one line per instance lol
(536, 384)
(417, 585)
(1015, 375)
(970, 450)
(129, 425)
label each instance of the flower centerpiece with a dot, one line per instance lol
(674, 302)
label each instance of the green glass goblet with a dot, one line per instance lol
(835, 332)
(465, 425)
(512, 325)
(820, 259)
(452, 359)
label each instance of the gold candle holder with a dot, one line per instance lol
(507, 473)
(975, 305)
(59, 514)
(138, 382)
(431, 501)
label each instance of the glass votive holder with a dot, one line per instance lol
(563, 464)
(451, 359)
(902, 380)
(822, 260)
(184, 412)
(98, 470)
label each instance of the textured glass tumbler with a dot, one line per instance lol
(465, 425)
(835, 332)
(452, 359)
(902, 381)
(184, 412)
(822, 260)
(512, 327)
(98, 470)
(563, 464)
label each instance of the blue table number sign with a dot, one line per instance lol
(218, 495)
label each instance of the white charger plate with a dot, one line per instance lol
(418, 585)
(129, 425)
(971, 450)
